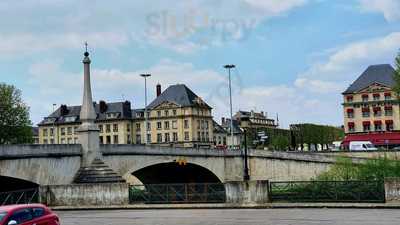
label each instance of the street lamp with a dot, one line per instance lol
(145, 106)
(246, 176)
(229, 67)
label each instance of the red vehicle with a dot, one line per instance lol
(32, 214)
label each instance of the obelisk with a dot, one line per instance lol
(88, 131)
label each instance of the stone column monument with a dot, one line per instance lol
(93, 169)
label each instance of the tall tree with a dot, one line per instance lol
(396, 76)
(15, 126)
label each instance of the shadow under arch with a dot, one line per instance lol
(173, 173)
(15, 184)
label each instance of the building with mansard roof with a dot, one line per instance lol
(371, 108)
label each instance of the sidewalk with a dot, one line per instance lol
(233, 206)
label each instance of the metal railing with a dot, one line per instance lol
(26, 196)
(177, 193)
(328, 191)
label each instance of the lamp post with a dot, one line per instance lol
(229, 67)
(145, 76)
(246, 176)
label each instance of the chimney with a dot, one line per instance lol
(103, 106)
(63, 110)
(158, 87)
(223, 121)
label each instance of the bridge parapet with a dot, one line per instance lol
(38, 151)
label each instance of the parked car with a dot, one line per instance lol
(32, 214)
(362, 146)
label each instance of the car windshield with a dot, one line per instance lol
(369, 146)
(2, 215)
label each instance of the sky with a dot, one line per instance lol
(294, 58)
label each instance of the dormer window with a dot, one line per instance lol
(50, 120)
(349, 98)
(70, 119)
(113, 115)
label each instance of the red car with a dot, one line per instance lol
(32, 214)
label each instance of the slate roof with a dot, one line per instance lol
(179, 94)
(236, 126)
(382, 74)
(218, 128)
(123, 108)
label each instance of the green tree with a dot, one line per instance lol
(396, 76)
(15, 126)
(280, 142)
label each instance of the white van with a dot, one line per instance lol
(362, 146)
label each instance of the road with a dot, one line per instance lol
(234, 217)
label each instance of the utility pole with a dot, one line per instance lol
(229, 67)
(145, 76)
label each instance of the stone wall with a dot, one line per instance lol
(85, 194)
(247, 193)
(392, 190)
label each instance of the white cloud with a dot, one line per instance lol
(389, 8)
(275, 7)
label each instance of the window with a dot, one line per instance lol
(224, 140)
(159, 138)
(149, 138)
(159, 113)
(186, 136)
(128, 139)
(186, 124)
(166, 113)
(138, 139)
(37, 212)
(174, 112)
(166, 125)
(174, 124)
(69, 141)
(388, 96)
(366, 127)
(376, 97)
(108, 128)
(45, 133)
(159, 125)
(21, 216)
(108, 139)
(63, 131)
(207, 137)
(377, 112)
(76, 130)
(76, 141)
(167, 137)
(349, 99)
(52, 141)
(198, 124)
(115, 139)
(51, 131)
(101, 128)
(351, 126)
(148, 126)
(62, 140)
(69, 130)
(378, 127)
(389, 125)
(203, 137)
(207, 125)
(388, 111)
(350, 115)
(115, 127)
(365, 98)
(128, 127)
(175, 136)
(198, 136)
(365, 112)
(45, 141)
(138, 127)
(101, 140)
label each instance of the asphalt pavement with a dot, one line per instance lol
(233, 217)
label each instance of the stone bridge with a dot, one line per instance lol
(59, 164)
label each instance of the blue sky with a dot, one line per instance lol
(294, 57)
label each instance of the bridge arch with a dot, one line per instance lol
(171, 172)
(14, 184)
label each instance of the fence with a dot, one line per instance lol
(19, 197)
(177, 193)
(328, 191)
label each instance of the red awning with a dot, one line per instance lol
(365, 95)
(350, 110)
(366, 123)
(388, 94)
(365, 109)
(388, 107)
(349, 97)
(376, 94)
(377, 109)
(387, 138)
(377, 122)
(351, 124)
(389, 121)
